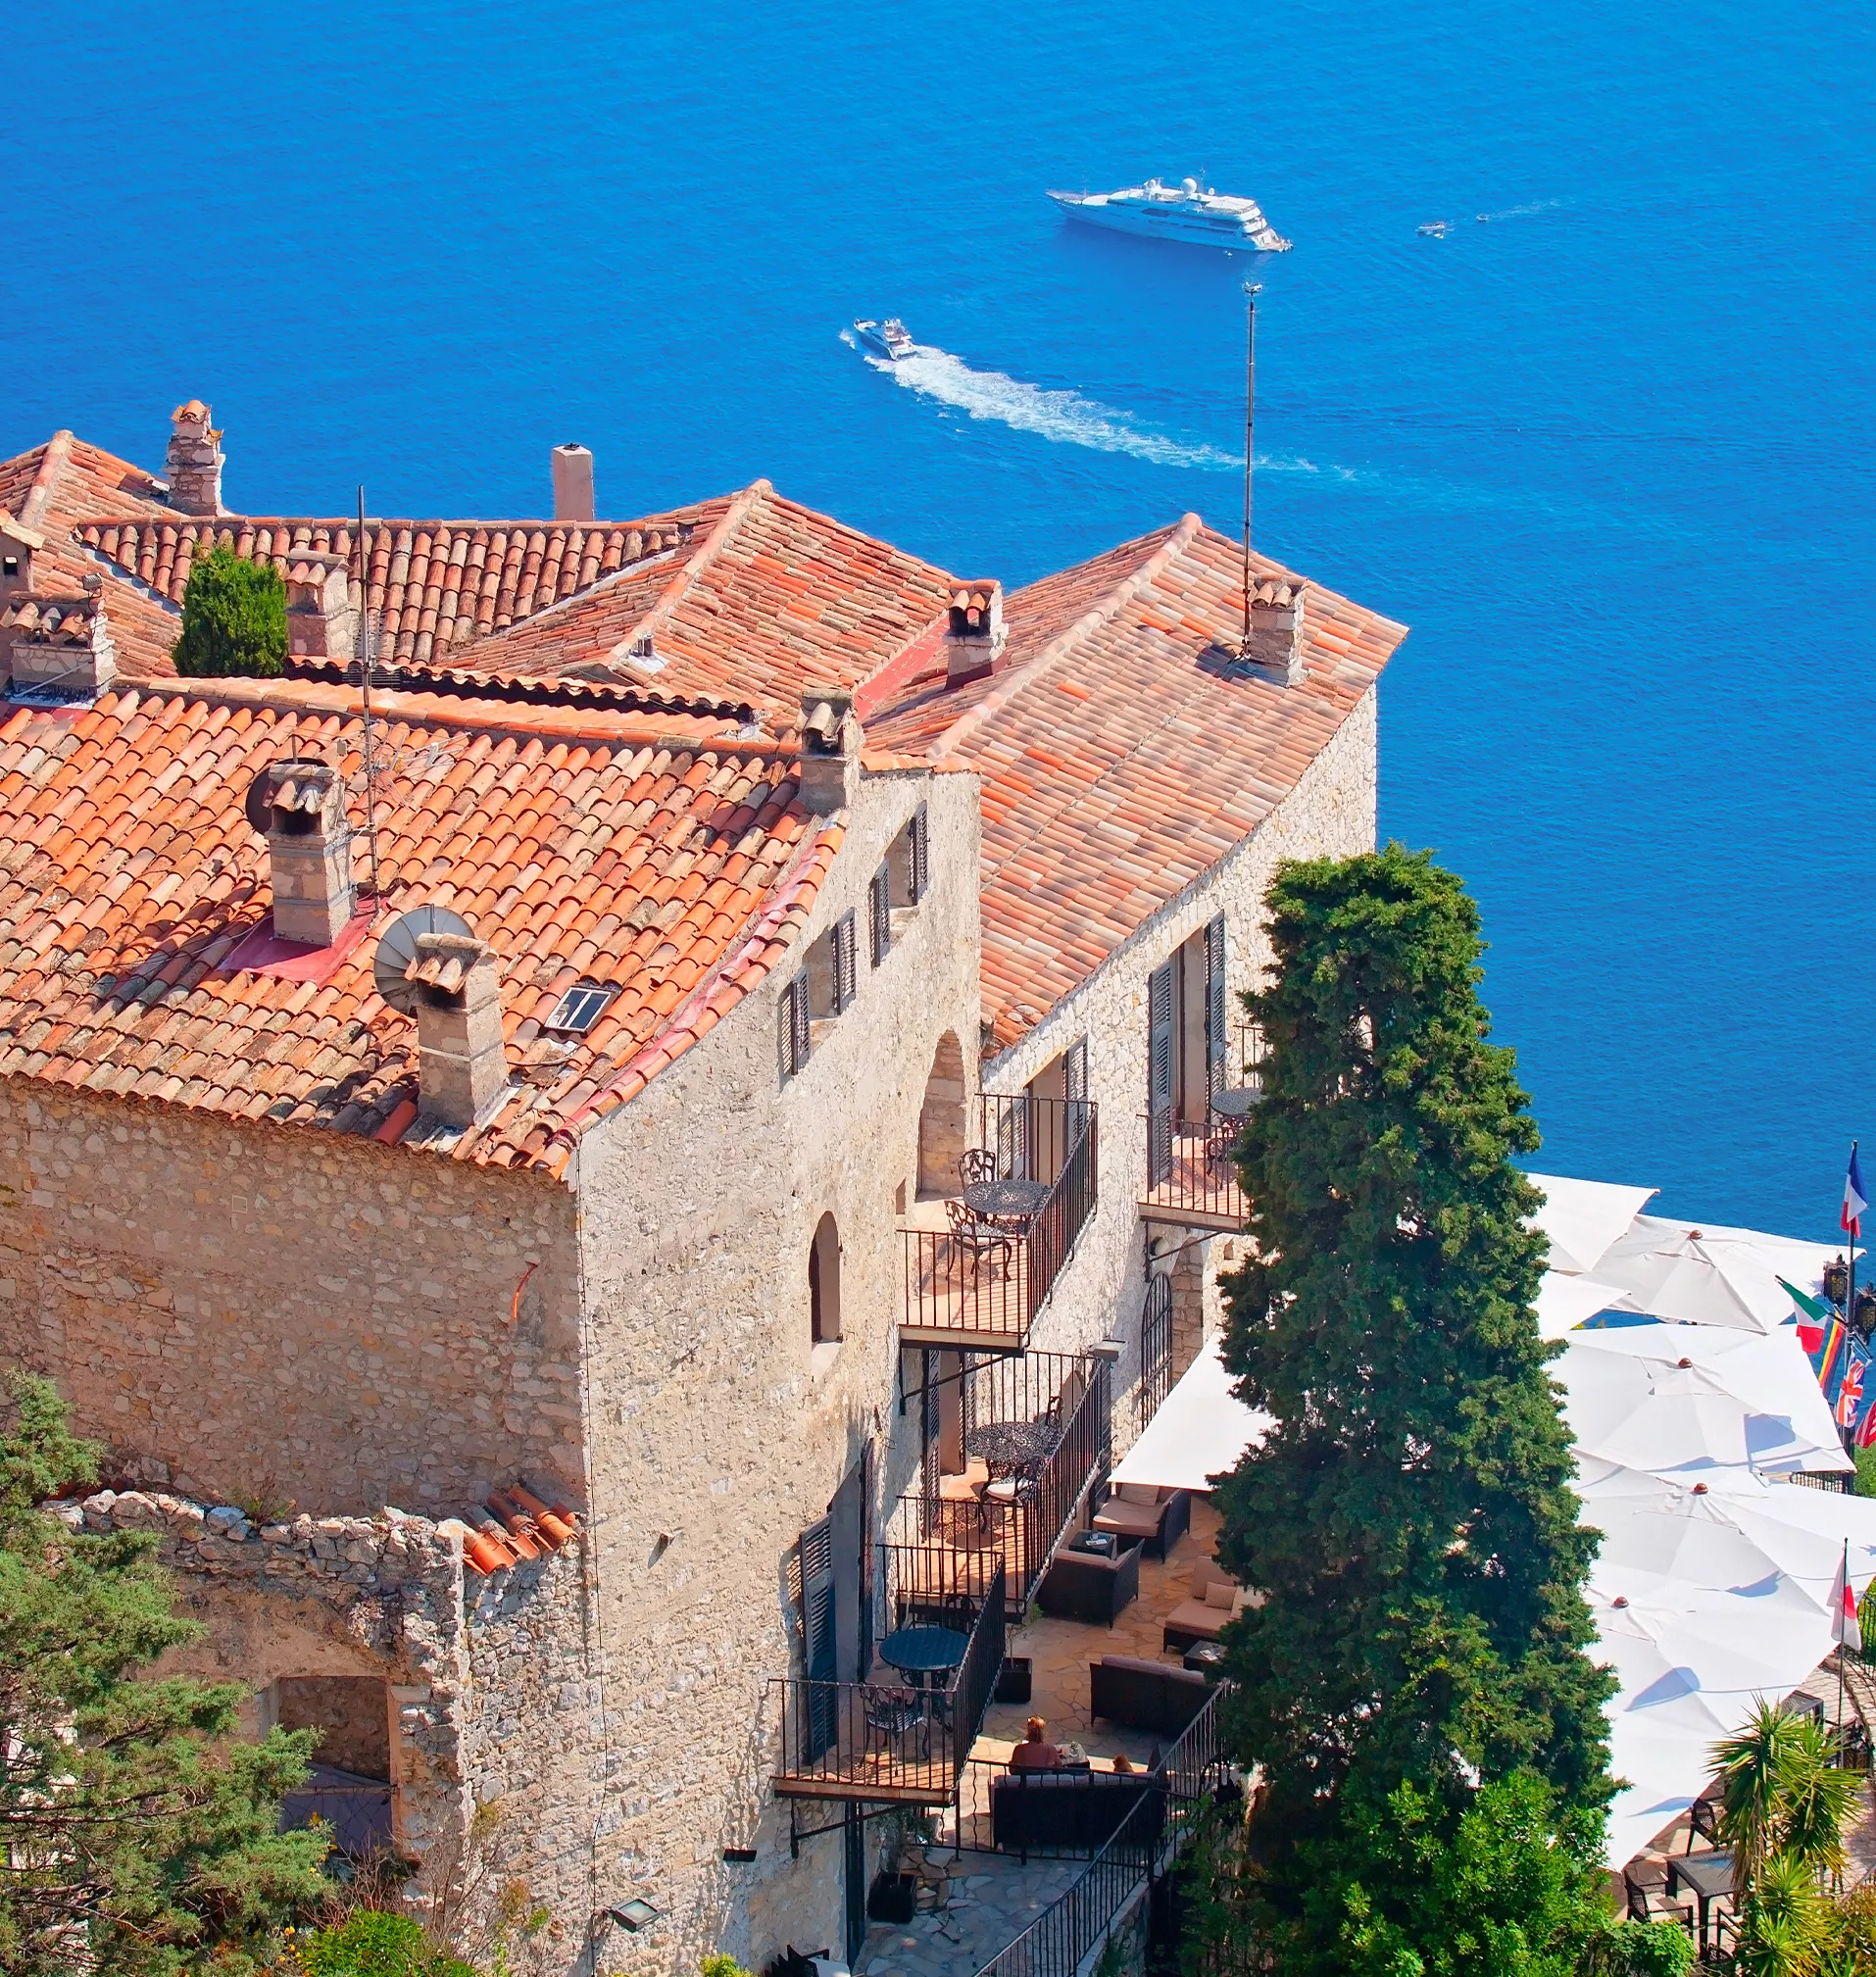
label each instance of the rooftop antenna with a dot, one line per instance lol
(364, 688)
(1251, 290)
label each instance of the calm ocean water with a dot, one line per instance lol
(1607, 452)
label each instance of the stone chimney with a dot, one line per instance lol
(308, 842)
(321, 621)
(193, 464)
(572, 483)
(16, 545)
(829, 750)
(1276, 628)
(973, 630)
(461, 1062)
(61, 646)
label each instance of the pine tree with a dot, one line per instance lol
(233, 619)
(1408, 1522)
(139, 1835)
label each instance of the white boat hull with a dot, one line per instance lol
(1165, 224)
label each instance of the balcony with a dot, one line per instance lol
(980, 1265)
(887, 1739)
(1192, 1180)
(1060, 1406)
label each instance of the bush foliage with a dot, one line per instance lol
(233, 619)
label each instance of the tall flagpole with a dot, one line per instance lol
(1850, 1287)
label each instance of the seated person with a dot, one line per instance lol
(1122, 1764)
(1035, 1753)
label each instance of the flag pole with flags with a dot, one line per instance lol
(1846, 1628)
(1851, 1221)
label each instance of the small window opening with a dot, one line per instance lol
(579, 1009)
(823, 1283)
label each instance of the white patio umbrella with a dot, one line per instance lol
(1688, 1399)
(1709, 1276)
(1201, 1431)
(1563, 1302)
(1582, 1218)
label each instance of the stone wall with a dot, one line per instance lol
(720, 1429)
(280, 1312)
(1330, 812)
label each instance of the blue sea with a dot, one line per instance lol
(1608, 451)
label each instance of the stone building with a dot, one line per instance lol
(488, 1162)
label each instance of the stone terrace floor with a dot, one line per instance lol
(973, 1903)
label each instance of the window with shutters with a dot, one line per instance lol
(1216, 1077)
(846, 963)
(1160, 1073)
(920, 853)
(880, 913)
(813, 1588)
(909, 862)
(792, 1025)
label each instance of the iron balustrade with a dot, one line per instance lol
(983, 1281)
(1071, 1392)
(886, 1738)
(1156, 1349)
(1142, 1847)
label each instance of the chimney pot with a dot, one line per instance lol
(973, 630)
(1276, 629)
(309, 843)
(462, 1060)
(322, 620)
(193, 464)
(61, 646)
(572, 469)
(829, 750)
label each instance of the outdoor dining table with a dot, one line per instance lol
(924, 1652)
(1708, 1873)
(1235, 1102)
(1012, 1201)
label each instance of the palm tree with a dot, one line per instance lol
(1815, 1797)
(1751, 1764)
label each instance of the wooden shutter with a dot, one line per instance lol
(1159, 1075)
(815, 1572)
(792, 1024)
(1215, 1009)
(847, 1517)
(1074, 1088)
(846, 963)
(879, 913)
(920, 853)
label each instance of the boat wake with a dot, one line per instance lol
(1064, 416)
(1529, 212)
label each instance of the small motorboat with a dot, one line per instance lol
(889, 339)
(1434, 229)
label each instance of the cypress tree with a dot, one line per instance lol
(233, 619)
(1409, 1521)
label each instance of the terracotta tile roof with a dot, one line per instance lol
(771, 598)
(40, 620)
(658, 854)
(1122, 751)
(434, 586)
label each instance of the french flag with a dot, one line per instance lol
(1854, 1199)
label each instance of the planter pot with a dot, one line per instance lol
(1013, 1682)
(893, 1898)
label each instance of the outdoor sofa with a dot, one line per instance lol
(1158, 1519)
(1214, 1601)
(1073, 1808)
(1144, 1695)
(1084, 1586)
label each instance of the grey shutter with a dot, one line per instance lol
(816, 1570)
(846, 963)
(920, 853)
(847, 1520)
(1012, 1138)
(1159, 1075)
(1216, 1078)
(793, 1024)
(1074, 1087)
(879, 910)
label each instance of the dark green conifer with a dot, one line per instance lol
(1410, 1522)
(233, 619)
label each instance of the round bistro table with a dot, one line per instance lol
(924, 1652)
(1014, 1202)
(1012, 1448)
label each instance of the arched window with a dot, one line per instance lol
(941, 1119)
(823, 1283)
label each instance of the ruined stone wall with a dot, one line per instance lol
(720, 1429)
(281, 1313)
(1331, 812)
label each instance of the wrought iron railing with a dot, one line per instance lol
(984, 1280)
(1070, 1397)
(1144, 1845)
(1190, 1171)
(1156, 1349)
(1841, 1481)
(886, 1738)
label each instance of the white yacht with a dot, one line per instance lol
(889, 339)
(1187, 212)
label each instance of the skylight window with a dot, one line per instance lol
(579, 1009)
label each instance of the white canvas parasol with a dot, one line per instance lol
(1563, 1302)
(1582, 1218)
(1687, 1399)
(1201, 1431)
(1710, 1276)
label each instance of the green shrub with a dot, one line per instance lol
(1866, 1485)
(720, 1965)
(233, 619)
(371, 1943)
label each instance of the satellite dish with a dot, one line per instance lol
(256, 804)
(397, 949)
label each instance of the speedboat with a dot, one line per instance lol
(889, 339)
(1436, 229)
(1188, 212)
